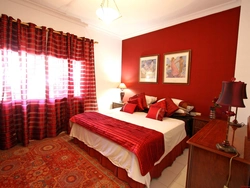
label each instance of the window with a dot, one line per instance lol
(25, 76)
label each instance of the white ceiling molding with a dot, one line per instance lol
(130, 26)
(50, 11)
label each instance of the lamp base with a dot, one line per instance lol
(225, 146)
(238, 125)
(122, 95)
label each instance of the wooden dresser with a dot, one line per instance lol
(208, 167)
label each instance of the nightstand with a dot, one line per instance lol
(199, 122)
(188, 123)
(117, 104)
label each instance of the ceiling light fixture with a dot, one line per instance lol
(108, 12)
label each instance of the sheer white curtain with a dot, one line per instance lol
(23, 75)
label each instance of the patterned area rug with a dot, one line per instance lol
(53, 162)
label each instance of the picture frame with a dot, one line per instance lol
(148, 69)
(177, 67)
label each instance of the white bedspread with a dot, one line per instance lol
(173, 130)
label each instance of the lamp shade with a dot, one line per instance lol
(108, 11)
(107, 14)
(245, 91)
(232, 94)
(122, 86)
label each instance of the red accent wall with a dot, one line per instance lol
(213, 44)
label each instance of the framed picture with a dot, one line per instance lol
(177, 67)
(148, 70)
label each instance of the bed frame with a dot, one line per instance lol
(155, 172)
(122, 174)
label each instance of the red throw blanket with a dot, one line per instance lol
(146, 144)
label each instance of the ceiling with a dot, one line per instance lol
(138, 16)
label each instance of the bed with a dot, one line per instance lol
(124, 163)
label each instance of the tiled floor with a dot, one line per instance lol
(173, 176)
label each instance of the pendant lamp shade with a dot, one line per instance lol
(108, 11)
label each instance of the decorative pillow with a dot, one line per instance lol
(186, 106)
(171, 107)
(176, 101)
(150, 99)
(142, 96)
(161, 99)
(180, 111)
(183, 106)
(129, 108)
(160, 104)
(138, 102)
(156, 113)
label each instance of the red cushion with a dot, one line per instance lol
(138, 102)
(143, 98)
(184, 104)
(160, 104)
(171, 107)
(129, 108)
(156, 113)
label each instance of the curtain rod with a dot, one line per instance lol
(40, 27)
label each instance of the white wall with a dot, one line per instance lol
(107, 51)
(242, 71)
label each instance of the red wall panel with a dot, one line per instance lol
(213, 44)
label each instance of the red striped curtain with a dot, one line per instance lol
(44, 80)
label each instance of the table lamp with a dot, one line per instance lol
(122, 86)
(232, 95)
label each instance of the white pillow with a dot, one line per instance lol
(190, 108)
(150, 99)
(180, 111)
(176, 101)
(185, 110)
